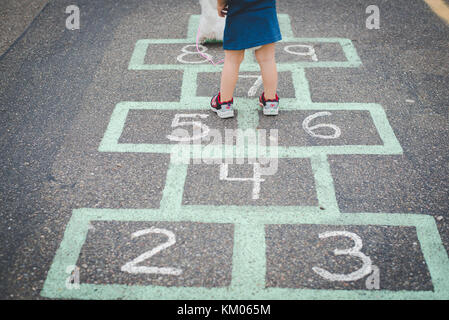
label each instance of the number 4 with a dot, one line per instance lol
(256, 179)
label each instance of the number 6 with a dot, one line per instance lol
(309, 130)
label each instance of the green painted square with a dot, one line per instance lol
(392, 255)
(195, 254)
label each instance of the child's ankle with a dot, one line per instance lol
(270, 97)
(221, 100)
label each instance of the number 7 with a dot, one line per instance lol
(252, 91)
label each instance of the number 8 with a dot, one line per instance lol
(186, 52)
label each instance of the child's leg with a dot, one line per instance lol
(230, 73)
(267, 62)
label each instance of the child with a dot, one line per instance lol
(249, 24)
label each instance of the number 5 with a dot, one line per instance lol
(200, 129)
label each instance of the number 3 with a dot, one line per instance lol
(366, 268)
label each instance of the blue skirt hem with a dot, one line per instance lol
(255, 44)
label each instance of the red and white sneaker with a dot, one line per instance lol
(222, 108)
(270, 107)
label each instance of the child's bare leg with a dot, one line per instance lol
(267, 62)
(230, 73)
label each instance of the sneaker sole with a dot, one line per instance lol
(223, 115)
(269, 112)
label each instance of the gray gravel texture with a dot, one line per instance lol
(15, 17)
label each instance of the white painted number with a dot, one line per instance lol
(255, 179)
(186, 52)
(200, 130)
(310, 51)
(366, 268)
(131, 267)
(253, 90)
(309, 130)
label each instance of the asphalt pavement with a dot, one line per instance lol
(88, 179)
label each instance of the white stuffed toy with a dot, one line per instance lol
(211, 25)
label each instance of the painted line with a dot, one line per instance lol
(285, 25)
(227, 151)
(245, 67)
(302, 91)
(249, 262)
(440, 8)
(138, 58)
(124, 292)
(174, 187)
(137, 61)
(248, 118)
(189, 86)
(324, 183)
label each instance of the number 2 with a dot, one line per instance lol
(131, 266)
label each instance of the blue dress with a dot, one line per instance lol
(250, 23)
